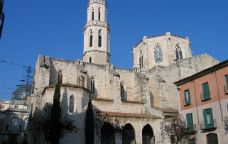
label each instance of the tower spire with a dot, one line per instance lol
(96, 34)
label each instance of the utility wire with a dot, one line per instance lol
(12, 63)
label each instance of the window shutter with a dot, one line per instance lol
(208, 118)
(189, 121)
(206, 91)
(187, 97)
(226, 81)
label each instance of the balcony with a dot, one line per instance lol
(208, 127)
(191, 129)
(203, 98)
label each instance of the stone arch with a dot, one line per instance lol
(212, 138)
(148, 135)
(128, 134)
(107, 134)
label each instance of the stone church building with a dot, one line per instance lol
(134, 101)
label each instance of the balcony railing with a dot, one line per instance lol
(211, 126)
(203, 97)
(191, 129)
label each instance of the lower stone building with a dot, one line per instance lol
(14, 122)
(204, 104)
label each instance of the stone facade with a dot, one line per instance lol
(135, 100)
(160, 51)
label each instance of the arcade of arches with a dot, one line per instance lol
(110, 135)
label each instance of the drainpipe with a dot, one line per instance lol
(197, 110)
(219, 96)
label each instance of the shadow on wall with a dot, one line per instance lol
(12, 127)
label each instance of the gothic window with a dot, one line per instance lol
(93, 15)
(90, 60)
(158, 55)
(141, 60)
(71, 104)
(122, 92)
(99, 14)
(91, 39)
(82, 81)
(92, 86)
(99, 38)
(179, 55)
(60, 77)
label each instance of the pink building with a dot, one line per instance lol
(204, 104)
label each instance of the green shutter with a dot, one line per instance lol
(208, 118)
(206, 91)
(187, 97)
(189, 121)
(226, 81)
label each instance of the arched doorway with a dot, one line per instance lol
(212, 138)
(128, 134)
(148, 135)
(107, 134)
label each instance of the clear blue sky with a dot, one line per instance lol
(55, 28)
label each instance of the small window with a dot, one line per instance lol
(141, 60)
(226, 86)
(122, 92)
(99, 14)
(187, 97)
(91, 40)
(99, 38)
(206, 91)
(226, 76)
(90, 60)
(92, 86)
(71, 104)
(92, 15)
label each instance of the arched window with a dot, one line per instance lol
(158, 55)
(122, 93)
(91, 39)
(99, 14)
(71, 104)
(60, 77)
(212, 138)
(92, 86)
(99, 38)
(141, 59)
(90, 60)
(179, 55)
(92, 15)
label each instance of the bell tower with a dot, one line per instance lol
(96, 34)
